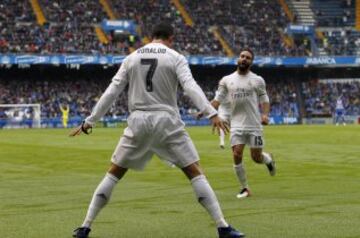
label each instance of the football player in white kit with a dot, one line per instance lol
(245, 90)
(152, 74)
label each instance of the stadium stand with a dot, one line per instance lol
(341, 42)
(334, 13)
(284, 99)
(251, 25)
(320, 97)
(15, 22)
(73, 26)
(196, 40)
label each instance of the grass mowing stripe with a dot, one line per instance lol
(47, 180)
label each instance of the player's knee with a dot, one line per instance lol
(117, 171)
(237, 156)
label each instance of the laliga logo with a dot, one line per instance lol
(41, 60)
(5, 60)
(321, 60)
(103, 60)
(262, 60)
(278, 61)
(89, 59)
(117, 59)
(55, 60)
(193, 60)
(214, 60)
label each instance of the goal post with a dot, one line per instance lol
(20, 115)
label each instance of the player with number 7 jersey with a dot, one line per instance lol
(153, 74)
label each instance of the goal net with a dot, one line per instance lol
(20, 116)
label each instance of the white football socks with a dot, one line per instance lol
(241, 175)
(222, 137)
(207, 198)
(266, 158)
(100, 198)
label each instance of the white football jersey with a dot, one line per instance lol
(244, 92)
(153, 73)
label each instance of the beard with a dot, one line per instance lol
(243, 67)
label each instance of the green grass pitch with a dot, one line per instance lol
(47, 180)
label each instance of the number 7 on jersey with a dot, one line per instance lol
(149, 75)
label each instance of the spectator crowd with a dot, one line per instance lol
(317, 97)
(320, 96)
(70, 27)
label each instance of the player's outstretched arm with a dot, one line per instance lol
(83, 128)
(117, 85)
(213, 103)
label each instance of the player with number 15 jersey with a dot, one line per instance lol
(245, 91)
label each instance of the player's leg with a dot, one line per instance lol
(180, 151)
(238, 151)
(343, 118)
(261, 157)
(256, 150)
(103, 192)
(175, 145)
(132, 153)
(100, 198)
(337, 117)
(207, 198)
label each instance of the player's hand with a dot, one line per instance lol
(217, 124)
(264, 119)
(83, 127)
(199, 115)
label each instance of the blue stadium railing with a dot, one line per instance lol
(13, 59)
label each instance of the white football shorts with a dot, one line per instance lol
(148, 133)
(254, 139)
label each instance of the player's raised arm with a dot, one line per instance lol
(117, 85)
